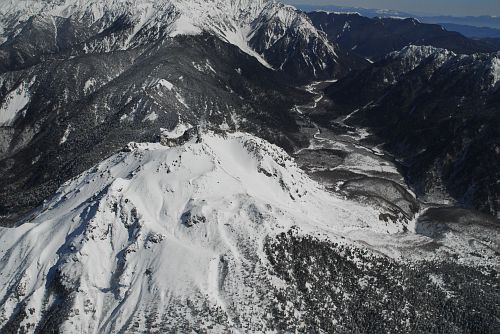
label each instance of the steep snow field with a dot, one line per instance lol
(495, 69)
(13, 104)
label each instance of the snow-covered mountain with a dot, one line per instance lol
(410, 57)
(149, 229)
(148, 181)
(178, 238)
(70, 66)
(264, 29)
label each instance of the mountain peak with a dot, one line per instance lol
(154, 226)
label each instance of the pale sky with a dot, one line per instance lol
(440, 7)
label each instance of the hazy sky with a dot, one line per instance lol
(447, 7)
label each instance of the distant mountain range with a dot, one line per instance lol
(470, 26)
(373, 38)
(472, 31)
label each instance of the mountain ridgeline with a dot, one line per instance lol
(80, 80)
(242, 166)
(373, 38)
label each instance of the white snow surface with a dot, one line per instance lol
(177, 131)
(495, 70)
(65, 135)
(14, 104)
(146, 229)
(166, 84)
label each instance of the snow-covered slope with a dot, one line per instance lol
(495, 69)
(14, 104)
(487, 66)
(158, 236)
(413, 55)
(148, 229)
(234, 21)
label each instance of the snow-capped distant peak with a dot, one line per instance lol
(495, 70)
(412, 56)
(418, 52)
(338, 12)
